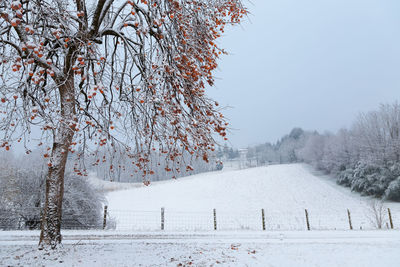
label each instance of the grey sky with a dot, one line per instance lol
(309, 63)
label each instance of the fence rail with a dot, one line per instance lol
(214, 219)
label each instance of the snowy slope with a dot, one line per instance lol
(284, 191)
(107, 186)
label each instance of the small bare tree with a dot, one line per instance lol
(107, 74)
(376, 213)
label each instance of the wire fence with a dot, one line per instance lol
(168, 220)
(29, 219)
(249, 220)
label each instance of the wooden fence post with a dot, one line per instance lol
(263, 219)
(105, 218)
(215, 219)
(162, 218)
(349, 216)
(307, 220)
(390, 218)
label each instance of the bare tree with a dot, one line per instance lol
(110, 73)
(376, 213)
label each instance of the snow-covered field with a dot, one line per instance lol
(283, 191)
(300, 248)
(238, 196)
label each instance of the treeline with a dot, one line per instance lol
(284, 151)
(124, 171)
(365, 157)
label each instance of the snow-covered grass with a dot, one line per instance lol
(284, 191)
(107, 186)
(328, 248)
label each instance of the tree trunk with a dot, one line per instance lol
(50, 235)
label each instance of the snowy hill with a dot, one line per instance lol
(284, 191)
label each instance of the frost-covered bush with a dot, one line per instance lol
(22, 194)
(371, 179)
(20, 199)
(345, 177)
(366, 179)
(393, 190)
(82, 204)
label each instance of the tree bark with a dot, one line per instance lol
(50, 235)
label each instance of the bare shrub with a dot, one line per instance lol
(376, 213)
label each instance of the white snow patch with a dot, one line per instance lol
(348, 248)
(284, 191)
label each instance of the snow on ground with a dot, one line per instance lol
(107, 186)
(284, 191)
(301, 248)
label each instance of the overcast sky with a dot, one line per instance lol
(313, 64)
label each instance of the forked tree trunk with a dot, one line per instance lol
(50, 235)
